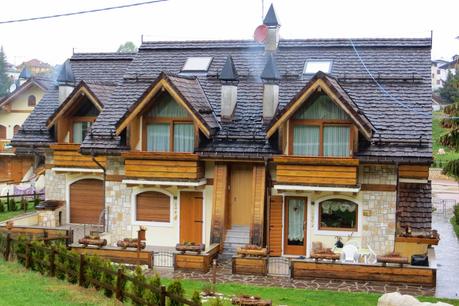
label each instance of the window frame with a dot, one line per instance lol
(305, 66)
(79, 120)
(34, 99)
(171, 121)
(340, 229)
(321, 123)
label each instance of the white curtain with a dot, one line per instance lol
(336, 141)
(183, 137)
(77, 132)
(295, 220)
(158, 137)
(306, 140)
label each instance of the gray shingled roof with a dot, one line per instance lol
(415, 206)
(401, 66)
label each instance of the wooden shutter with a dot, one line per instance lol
(275, 226)
(86, 201)
(2, 132)
(153, 206)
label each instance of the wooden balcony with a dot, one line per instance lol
(163, 166)
(316, 171)
(68, 155)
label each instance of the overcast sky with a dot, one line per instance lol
(53, 40)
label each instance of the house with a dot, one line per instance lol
(14, 109)
(36, 67)
(281, 143)
(440, 70)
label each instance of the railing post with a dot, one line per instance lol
(81, 271)
(7, 247)
(119, 283)
(52, 262)
(162, 298)
(27, 255)
(214, 272)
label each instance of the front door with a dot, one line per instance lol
(295, 226)
(241, 194)
(191, 217)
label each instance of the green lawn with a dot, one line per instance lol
(288, 296)
(11, 214)
(21, 287)
(437, 131)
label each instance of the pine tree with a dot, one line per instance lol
(451, 138)
(450, 91)
(5, 81)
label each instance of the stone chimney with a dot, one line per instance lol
(270, 77)
(229, 80)
(272, 41)
(66, 81)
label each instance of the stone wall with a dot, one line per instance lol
(379, 208)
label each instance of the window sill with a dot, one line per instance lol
(155, 224)
(337, 233)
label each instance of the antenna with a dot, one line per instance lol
(262, 10)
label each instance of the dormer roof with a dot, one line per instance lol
(270, 19)
(229, 72)
(66, 75)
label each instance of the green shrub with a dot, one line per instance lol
(60, 260)
(38, 256)
(20, 248)
(151, 296)
(92, 270)
(24, 204)
(134, 287)
(36, 201)
(12, 205)
(456, 212)
(2, 206)
(196, 298)
(72, 265)
(108, 278)
(175, 288)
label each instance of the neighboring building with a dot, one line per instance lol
(440, 70)
(14, 109)
(438, 102)
(282, 144)
(36, 67)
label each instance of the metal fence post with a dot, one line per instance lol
(81, 271)
(162, 299)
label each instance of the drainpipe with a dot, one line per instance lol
(93, 157)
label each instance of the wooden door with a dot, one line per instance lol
(295, 226)
(86, 201)
(275, 226)
(191, 217)
(241, 194)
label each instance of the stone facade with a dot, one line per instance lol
(50, 218)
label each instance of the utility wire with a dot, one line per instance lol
(81, 12)
(381, 87)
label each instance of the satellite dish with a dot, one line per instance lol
(261, 33)
(13, 87)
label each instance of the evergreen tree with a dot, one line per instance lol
(5, 81)
(451, 138)
(128, 46)
(450, 91)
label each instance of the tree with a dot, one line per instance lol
(127, 47)
(451, 138)
(450, 91)
(5, 81)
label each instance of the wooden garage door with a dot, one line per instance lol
(86, 201)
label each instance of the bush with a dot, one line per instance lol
(2, 206)
(36, 201)
(108, 278)
(12, 205)
(60, 261)
(151, 296)
(134, 287)
(92, 270)
(38, 256)
(196, 298)
(72, 264)
(175, 288)
(24, 204)
(456, 213)
(20, 248)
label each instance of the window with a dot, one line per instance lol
(80, 129)
(2, 132)
(16, 129)
(311, 67)
(168, 127)
(153, 206)
(438, 71)
(338, 214)
(197, 64)
(32, 101)
(321, 128)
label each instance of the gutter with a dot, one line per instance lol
(93, 157)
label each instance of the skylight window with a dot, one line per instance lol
(311, 67)
(197, 64)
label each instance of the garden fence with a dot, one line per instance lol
(56, 261)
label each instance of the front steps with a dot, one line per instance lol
(236, 237)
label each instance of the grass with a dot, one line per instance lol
(290, 296)
(455, 225)
(11, 214)
(437, 132)
(22, 287)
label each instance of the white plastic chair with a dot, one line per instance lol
(350, 254)
(371, 259)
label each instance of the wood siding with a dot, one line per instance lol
(166, 166)
(251, 266)
(13, 168)
(258, 204)
(200, 262)
(219, 200)
(152, 206)
(275, 226)
(86, 201)
(68, 155)
(414, 171)
(128, 256)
